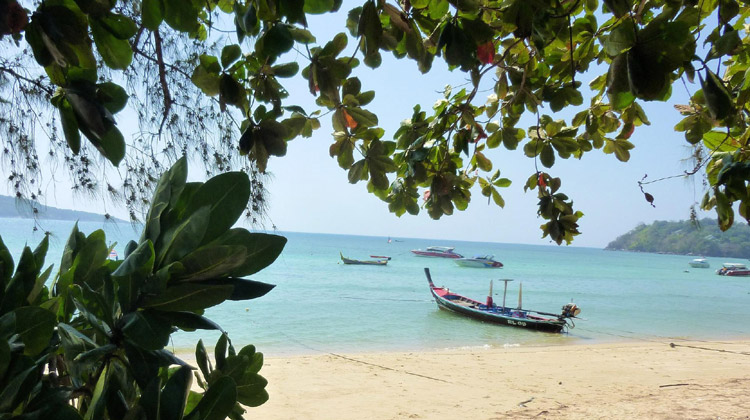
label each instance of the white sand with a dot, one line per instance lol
(694, 380)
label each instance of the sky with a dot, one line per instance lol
(310, 193)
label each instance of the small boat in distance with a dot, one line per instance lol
(350, 261)
(733, 269)
(490, 312)
(479, 261)
(437, 251)
(699, 263)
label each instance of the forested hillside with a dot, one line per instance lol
(10, 207)
(686, 238)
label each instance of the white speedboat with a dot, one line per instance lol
(437, 251)
(700, 263)
(479, 261)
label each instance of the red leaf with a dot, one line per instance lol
(349, 120)
(486, 52)
(541, 181)
(426, 195)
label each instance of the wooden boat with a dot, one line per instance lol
(479, 261)
(363, 262)
(490, 312)
(437, 251)
(733, 269)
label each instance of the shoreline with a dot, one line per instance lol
(664, 380)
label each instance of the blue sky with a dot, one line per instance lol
(310, 193)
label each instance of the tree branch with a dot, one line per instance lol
(36, 83)
(162, 80)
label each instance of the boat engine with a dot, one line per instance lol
(570, 310)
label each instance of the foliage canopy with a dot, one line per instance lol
(531, 52)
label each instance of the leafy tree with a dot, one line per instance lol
(530, 53)
(702, 237)
(91, 345)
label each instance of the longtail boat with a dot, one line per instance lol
(501, 314)
(363, 262)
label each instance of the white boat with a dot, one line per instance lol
(437, 251)
(479, 261)
(700, 263)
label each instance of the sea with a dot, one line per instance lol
(320, 305)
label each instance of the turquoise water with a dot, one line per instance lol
(321, 305)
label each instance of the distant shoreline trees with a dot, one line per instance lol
(686, 238)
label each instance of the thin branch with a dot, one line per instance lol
(36, 83)
(162, 80)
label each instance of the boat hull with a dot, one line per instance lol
(349, 261)
(736, 273)
(474, 263)
(498, 315)
(495, 318)
(421, 253)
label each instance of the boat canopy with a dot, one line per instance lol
(735, 266)
(441, 248)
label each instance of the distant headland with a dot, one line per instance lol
(10, 207)
(686, 238)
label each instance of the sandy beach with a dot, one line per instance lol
(643, 380)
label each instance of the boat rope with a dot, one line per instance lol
(389, 368)
(390, 299)
(663, 340)
(744, 353)
(351, 359)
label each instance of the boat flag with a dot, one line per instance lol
(113, 255)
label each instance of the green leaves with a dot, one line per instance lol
(111, 34)
(718, 98)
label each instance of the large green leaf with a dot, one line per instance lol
(69, 126)
(91, 257)
(226, 195)
(22, 282)
(262, 249)
(181, 15)
(319, 6)
(112, 96)
(217, 402)
(6, 267)
(189, 297)
(120, 26)
(98, 402)
(73, 341)
(35, 327)
(211, 262)
(152, 13)
(116, 52)
(189, 321)
(243, 289)
(182, 239)
(140, 261)
(174, 394)
(147, 329)
(169, 187)
(19, 387)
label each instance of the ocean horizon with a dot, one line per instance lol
(320, 305)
